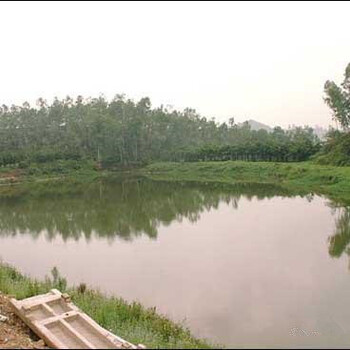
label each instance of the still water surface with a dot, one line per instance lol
(247, 266)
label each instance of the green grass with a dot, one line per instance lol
(304, 176)
(131, 321)
(330, 180)
(68, 170)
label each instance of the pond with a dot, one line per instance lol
(242, 265)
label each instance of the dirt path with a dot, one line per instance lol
(14, 334)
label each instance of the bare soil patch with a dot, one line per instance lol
(14, 334)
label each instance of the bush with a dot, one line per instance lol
(10, 158)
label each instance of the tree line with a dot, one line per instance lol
(125, 132)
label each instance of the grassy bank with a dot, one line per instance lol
(82, 170)
(300, 177)
(131, 321)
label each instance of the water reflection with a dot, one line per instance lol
(125, 208)
(339, 242)
(128, 208)
(257, 276)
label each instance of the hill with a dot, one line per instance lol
(254, 125)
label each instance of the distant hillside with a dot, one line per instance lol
(254, 125)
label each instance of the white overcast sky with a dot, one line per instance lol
(262, 60)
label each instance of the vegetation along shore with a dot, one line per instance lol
(131, 321)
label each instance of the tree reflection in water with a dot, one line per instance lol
(339, 242)
(129, 207)
(125, 208)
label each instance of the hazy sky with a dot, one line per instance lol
(266, 61)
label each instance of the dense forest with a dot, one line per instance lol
(125, 132)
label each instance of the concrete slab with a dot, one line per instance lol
(62, 325)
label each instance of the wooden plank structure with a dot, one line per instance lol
(55, 319)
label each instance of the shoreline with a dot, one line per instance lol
(130, 320)
(298, 177)
(301, 177)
